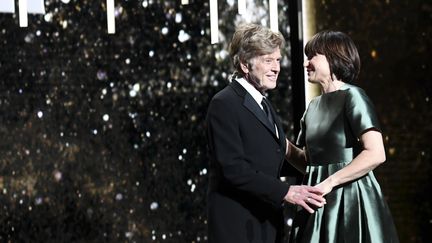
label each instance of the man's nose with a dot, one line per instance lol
(306, 63)
(276, 66)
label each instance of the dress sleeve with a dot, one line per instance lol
(360, 112)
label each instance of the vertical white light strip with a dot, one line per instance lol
(309, 28)
(23, 20)
(305, 39)
(184, 2)
(273, 9)
(241, 7)
(214, 26)
(7, 6)
(110, 17)
(35, 6)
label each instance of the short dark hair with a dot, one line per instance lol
(340, 51)
(252, 40)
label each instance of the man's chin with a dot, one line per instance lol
(270, 87)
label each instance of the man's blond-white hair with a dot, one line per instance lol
(250, 41)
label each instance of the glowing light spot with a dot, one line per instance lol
(154, 206)
(57, 175)
(183, 36)
(48, 17)
(164, 31)
(374, 54)
(178, 17)
(289, 222)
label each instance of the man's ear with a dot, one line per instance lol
(244, 67)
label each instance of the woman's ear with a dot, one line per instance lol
(244, 67)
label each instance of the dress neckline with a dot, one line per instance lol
(342, 87)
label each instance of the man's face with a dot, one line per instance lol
(264, 69)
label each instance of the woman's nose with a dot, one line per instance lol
(306, 63)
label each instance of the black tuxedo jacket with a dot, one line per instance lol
(245, 194)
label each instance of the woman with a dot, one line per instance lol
(343, 144)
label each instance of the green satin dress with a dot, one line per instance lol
(356, 212)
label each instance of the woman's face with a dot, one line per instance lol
(318, 69)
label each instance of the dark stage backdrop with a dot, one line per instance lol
(102, 137)
(394, 39)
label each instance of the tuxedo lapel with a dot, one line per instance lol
(253, 107)
(278, 124)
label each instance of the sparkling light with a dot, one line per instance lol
(164, 31)
(48, 17)
(57, 175)
(154, 206)
(183, 36)
(178, 17)
(105, 117)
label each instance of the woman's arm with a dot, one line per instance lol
(373, 154)
(295, 156)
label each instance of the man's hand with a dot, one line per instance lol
(305, 196)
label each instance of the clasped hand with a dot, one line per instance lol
(306, 196)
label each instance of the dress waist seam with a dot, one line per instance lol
(319, 165)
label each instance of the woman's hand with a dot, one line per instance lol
(325, 186)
